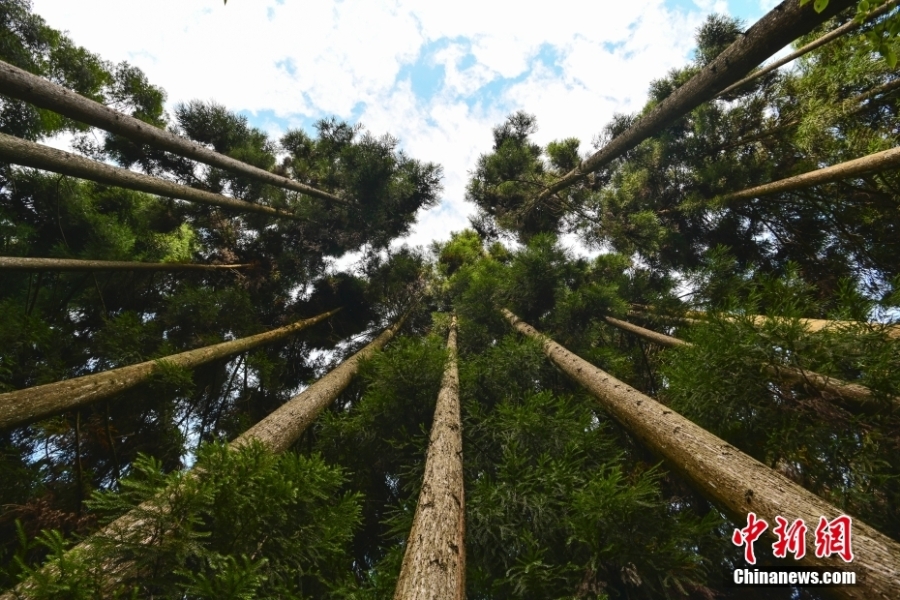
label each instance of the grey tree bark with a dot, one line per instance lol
(29, 154)
(21, 263)
(860, 396)
(31, 404)
(21, 84)
(880, 161)
(434, 564)
(727, 476)
(781, 26)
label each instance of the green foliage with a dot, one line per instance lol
(247, 524)
(833, 447)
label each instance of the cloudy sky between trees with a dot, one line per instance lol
(438, 75)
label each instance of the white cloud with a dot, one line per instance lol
(315, 59)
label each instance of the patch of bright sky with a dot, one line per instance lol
(438, 76)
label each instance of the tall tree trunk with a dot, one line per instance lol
(812, 325)
(286, 424)
(20, 263)
(880, 161)
(29, 154)
(21, 84)
(816, 43)
(859, 394)
(31, 404)
(781, 26)
(277, 432)
(724, 474)
(434, 565)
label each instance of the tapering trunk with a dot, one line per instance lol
(277, 432)
(873, 163)
(29, 154)
(724, 474)
(861, 396)
(816, 43)
(21, 84)
(286, 424)
(20, 263)
(781, 26)
(31, 404)
(812, 325)
(434, 563)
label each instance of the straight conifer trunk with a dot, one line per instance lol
(286, 424)
(812, 325)
(880, 161)
(277, 432)
(37, 156)
(727, 476)
(816, 43)
(18, 83)
(778, 28)
(434, 564)
(859, 394)
(21, 263)
(31, 404)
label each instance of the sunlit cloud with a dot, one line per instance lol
(438, 76)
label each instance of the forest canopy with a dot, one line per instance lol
(195, 404)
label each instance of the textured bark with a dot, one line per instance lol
(434, 564)
(29, 154)
(812, 325)
(727, 476)
(781, 26)
(816, 43)
(860, 395)
(277, 432)
(21, 84)
(880, 161)
(31, 404)
(283, 426)
(20, 263)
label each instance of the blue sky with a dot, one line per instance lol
(438, 76)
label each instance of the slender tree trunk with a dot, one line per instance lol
(812, 325)
(21, 84)
(31, 404)
(859, 394)
(880, 161)
(434, 565)
(781, 26)
(727, 476)
(277, 432)
(29, 154)
(818, 42)
(20, 263)
(286, 424)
